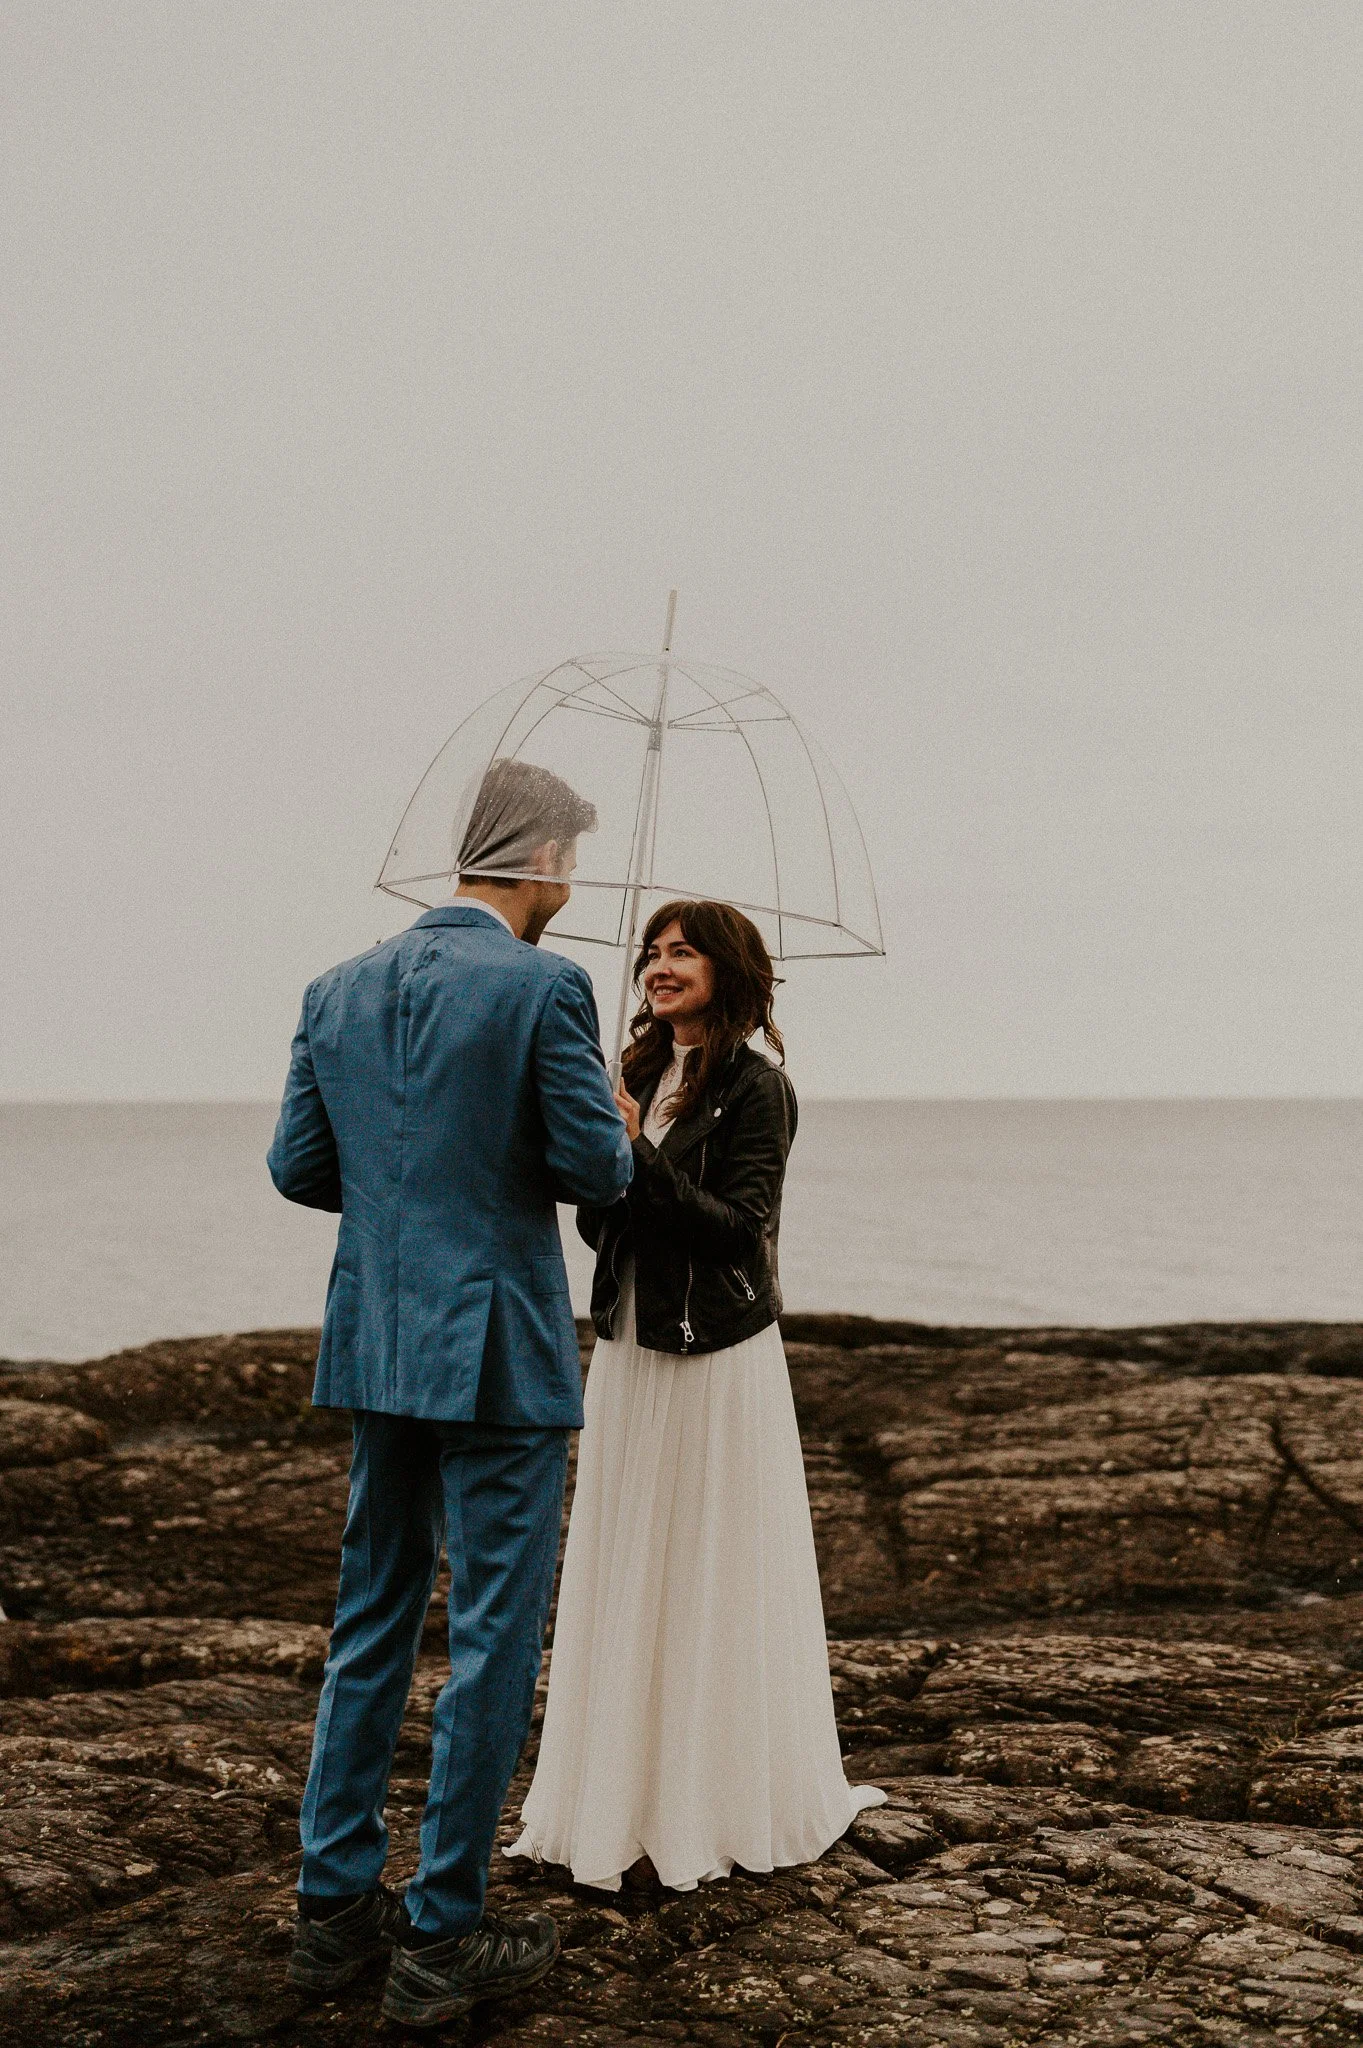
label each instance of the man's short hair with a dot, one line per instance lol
(518, 809)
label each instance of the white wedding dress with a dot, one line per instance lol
(690, 1715)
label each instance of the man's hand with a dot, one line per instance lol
(629, 1110)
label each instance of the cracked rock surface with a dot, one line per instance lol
(1095, 1602)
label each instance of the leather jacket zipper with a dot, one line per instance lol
(616, 1279)
(688, 1334)
(742, 1280)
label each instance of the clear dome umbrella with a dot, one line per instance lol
(704, 785)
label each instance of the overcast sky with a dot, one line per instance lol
(987, 376)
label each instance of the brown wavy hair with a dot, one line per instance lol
(741, 1005)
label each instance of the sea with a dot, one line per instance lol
(120, 1223)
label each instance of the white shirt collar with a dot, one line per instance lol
(477, 903)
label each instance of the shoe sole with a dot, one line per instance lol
(435, 2012)
(318, 1981)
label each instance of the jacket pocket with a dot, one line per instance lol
(548, 1276)
(744, 1282)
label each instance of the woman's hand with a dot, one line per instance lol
(629, 1110)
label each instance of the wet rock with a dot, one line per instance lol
(74, 1835)
(42, 1433)
(1315, 1782)
(1343, 1709)
(1118, 1682)
(876, 1970)
(35, 1659)
(242, 1386)
(175, 1529)
(1036, 1753)
(800, 1937)
(894, 1840)
(1198, 1491)
(964, 1813)
(272, 1709)
(1292, 1878)
(856, 1560)
(1204, 1773)
(1142, 1829)
(874, 1686)
(1265, 1957)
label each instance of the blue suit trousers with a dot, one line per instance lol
(495, 1494)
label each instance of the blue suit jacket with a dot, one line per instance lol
(446, 1089)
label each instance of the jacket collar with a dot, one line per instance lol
(689, 1131)
(468, 913)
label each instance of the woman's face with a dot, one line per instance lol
(679, 982)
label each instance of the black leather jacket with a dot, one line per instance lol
(701, 1216)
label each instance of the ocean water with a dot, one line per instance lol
(124, 1222)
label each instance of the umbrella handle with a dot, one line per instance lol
(618, 1054)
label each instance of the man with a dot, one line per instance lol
(445, 1090)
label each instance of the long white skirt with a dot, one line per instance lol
(690, 1715)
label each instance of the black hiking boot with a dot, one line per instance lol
(498, 1958)
(328, 1954)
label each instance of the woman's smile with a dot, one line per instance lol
(679, 981)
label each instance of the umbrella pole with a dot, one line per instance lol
(642, 864)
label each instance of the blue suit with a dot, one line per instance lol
(446, 1089)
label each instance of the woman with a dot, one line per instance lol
(690, 1716)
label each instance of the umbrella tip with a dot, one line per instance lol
(671, 619)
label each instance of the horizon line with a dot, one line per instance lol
(272, 1101)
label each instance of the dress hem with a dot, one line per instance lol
(862, 1796)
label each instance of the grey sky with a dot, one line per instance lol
(987, 376)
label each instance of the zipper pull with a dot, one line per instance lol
(688, 1335)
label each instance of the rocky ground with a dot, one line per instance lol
(1096, 1609)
